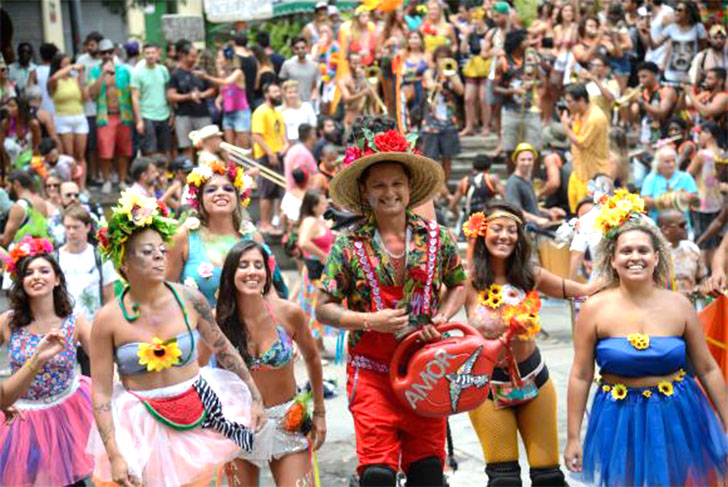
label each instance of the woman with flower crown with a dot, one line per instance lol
(46, 445)
(218, 191)
(503, 287)
(650, 424)
(168, 422)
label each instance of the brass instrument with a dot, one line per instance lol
(531, 61)
(371, 79)
(447, 67)
(626, 99)
(240, 157)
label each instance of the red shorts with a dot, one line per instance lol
(387, 432)
(113, 139)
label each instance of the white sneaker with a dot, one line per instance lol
(123, 186)
(106, 188)
(276, 221)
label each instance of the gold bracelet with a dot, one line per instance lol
(33, 365)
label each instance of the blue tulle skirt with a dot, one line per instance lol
(654, 439)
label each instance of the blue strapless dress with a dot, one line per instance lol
(651, 436)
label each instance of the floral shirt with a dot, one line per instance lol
(344, 277)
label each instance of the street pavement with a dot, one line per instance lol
(337, 458)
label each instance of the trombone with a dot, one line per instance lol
(371, 78)
(627, 98)
(240, 157)
(447, 67)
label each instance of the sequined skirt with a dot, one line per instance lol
(283, 442)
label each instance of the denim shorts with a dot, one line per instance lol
(236, 121)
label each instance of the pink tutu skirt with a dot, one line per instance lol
(48, 446)
(162, 456)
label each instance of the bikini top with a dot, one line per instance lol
(278, 355)
(627, 357)
(129, 355)
(128, 361)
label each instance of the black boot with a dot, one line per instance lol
(504, 474)
(548, 477)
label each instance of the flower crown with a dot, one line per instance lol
(133, 212)
(616, 210)
(371, 143)
(199, 175)
(477, 224)
(27, 247)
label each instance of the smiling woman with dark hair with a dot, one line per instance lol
(263, 329)
(56, 407)
(503, 278)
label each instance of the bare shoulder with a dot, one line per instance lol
(675, 300)
(603, 298)
(287, 311)
(180, 236)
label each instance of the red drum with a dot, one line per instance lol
(446, 377)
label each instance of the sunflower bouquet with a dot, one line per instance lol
(518, 309)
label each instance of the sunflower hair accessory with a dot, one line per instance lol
(615, 211)
(134, 212)
(27, 247)
(236, 174)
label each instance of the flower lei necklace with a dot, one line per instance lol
(512, 303)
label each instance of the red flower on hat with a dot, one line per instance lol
(352, 154)
(391, 141)
(163, 210)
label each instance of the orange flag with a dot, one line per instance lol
(714, 319)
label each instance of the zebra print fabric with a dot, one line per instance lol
(241, 435)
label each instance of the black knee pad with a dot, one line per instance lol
(548, 477)
(425, 473)
(504, 474)
(378, 476)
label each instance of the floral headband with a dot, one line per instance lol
(133, 212)
(27, 247)
(477, 224)
(371, 143)
(199, 175)
(615, 211)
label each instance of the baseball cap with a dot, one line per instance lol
(106, 45)
(501, 8)
(321, 5)
(333, 10)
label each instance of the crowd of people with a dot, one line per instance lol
(152, 338)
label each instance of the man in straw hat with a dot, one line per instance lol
(389, 268)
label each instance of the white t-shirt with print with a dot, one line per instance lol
(82, 279)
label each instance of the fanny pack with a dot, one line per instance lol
(508, 391)
(182, 412)
(197, 406)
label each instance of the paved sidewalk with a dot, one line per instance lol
(337, 459)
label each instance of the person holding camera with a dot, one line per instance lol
(114, 117)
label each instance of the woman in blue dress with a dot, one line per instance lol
(650, 423)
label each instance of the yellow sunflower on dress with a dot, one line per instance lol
(666, 388)
(619, 392)
(159, 355)
(680, 375)
(606, 388)
(647, 393)
(640, 341)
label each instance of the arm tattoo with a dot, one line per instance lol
(105, 407)
(329, 311)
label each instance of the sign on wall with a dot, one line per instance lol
(179, 26)
(235, 10)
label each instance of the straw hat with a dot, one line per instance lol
(426, 175)
(197, 136)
